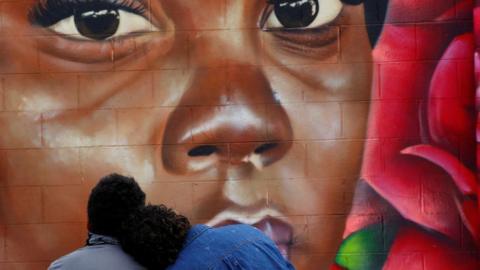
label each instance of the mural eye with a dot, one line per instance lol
(293, 14)
(101, 24)
(93, 19)
(296, 13)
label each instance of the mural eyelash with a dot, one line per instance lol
(348, 2)
(299, 16)
(267, 10)
(46, 13)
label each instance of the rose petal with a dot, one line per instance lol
(463, 177)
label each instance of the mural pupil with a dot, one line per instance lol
(296, 13)
(97, 24)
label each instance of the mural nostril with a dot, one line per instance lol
(202, 150)
(265, 147)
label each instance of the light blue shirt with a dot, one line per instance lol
(101, 253)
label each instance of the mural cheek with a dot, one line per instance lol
(20, 130)
(19, 54)
(40, 92)
(22, 167)
(130, 160)
(317, 212)
(321, 82)
(127, 53)
(120, 108)
(301, 47)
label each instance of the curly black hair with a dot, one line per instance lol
(154, 236)
(111, 202)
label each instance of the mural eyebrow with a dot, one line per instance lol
(45, 13)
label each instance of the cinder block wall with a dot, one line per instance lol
(333, 127)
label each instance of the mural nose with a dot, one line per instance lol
(226, 118)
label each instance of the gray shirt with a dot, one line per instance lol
(102, 252)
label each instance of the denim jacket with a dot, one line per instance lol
(234, 247)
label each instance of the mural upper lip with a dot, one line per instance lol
(276, 229)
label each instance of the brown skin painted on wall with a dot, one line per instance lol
(221, 120)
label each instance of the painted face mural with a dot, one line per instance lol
(279, 114)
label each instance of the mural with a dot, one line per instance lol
(345, 130)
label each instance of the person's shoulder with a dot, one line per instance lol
(96, 257)
(64, 261)
(55, 265)
(242, 230)
(239, 228)
(243, 227)
(228, 246)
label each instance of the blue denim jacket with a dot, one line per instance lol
(239, 247)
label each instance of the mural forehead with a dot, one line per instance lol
(344, 130)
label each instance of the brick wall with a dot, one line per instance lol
(243, 111)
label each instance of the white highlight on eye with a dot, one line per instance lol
(129, 23)
(328, 11)
(298, 4)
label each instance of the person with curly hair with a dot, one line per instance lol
(154, 236)
(110, 203)
(158, 238)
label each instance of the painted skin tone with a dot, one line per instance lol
(214, 106)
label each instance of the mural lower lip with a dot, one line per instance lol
(279, 231)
